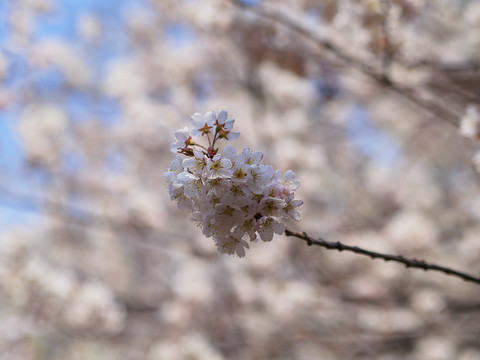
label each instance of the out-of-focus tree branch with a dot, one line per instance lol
(472, 65)
(408, 262)
(381, 77)
(298, 28)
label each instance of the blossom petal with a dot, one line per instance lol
(198, 120)
(232, 135)
(222, 117)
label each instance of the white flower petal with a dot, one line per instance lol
(198, 120)
(198, 154)
(266, 233)
(232, 135)
(222, 117)
(278, 227)
(295, 214)
(230, 153)
(229, 124)
(210, 118)
(296, 203)
(256, 157)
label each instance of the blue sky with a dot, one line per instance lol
(369, 140)
(59, 23)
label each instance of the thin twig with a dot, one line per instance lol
(387, 54)
(468, 65)
(427, 106)
(408, 262)
(307, 33)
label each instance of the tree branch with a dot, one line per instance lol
(463, 66)
(408, 262)
(90, 220)
(299, 28)
(379, 77)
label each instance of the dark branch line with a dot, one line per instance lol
(408, 262)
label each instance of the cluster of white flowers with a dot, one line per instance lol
(232, 196)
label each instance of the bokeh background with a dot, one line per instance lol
(362, 99)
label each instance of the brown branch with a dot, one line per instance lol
(387, 53)
(408, 262)
(468, 65)
(427, 106)
(307, 33)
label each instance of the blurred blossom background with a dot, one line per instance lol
(363, 99)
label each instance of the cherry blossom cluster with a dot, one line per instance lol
(232, 196)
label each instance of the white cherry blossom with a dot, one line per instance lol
(250, 158)
(292, 210)
(270, 206)
(224, 121)
(261, 175)
(218, 167)
(231, 135)
(230, 245)
(202, 125)
(195, 164)
(268, 226)
(183, 139)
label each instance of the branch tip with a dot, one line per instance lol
(409, 263)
